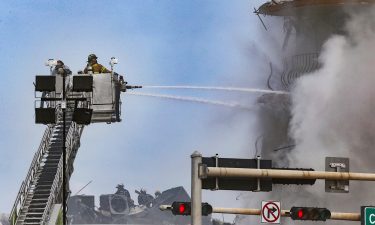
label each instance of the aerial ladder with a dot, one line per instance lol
(76, 101)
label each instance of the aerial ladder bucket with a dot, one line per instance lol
(85, 99)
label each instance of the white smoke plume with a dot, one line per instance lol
(333, 114)
(333, 108)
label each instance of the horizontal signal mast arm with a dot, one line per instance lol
(284, 213)
(282, 174)
(345, 216)
(243, 211)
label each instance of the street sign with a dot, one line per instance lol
(271, 212)
(336, 164)
(367, 215)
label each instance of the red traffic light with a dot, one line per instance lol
(181, 208)
(184, 208)
(310, 213)
(300, 214)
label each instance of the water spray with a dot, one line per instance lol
(193, 99)
(199, 100)
(251, 90)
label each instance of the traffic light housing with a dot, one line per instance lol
(184, 208)
(239, 184)
(181, 208)
(206, 209)
(310, 213)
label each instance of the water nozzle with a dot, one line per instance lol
(125, 87)
(132, 87)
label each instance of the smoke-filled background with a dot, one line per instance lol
(332, 115)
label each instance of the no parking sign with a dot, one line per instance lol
(271, 212)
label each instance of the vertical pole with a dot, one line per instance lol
(64, 153)
(196, 189)
(258, 180)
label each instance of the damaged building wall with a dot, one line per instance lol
(304, 33)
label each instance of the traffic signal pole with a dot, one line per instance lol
(282, 174)
(200, 172)
(196, 189)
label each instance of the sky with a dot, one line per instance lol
(204, 43)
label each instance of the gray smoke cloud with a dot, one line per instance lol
(334, 106)
(4, 219)
(332, 115)
(333, 110)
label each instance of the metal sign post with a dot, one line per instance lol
(196, 189)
